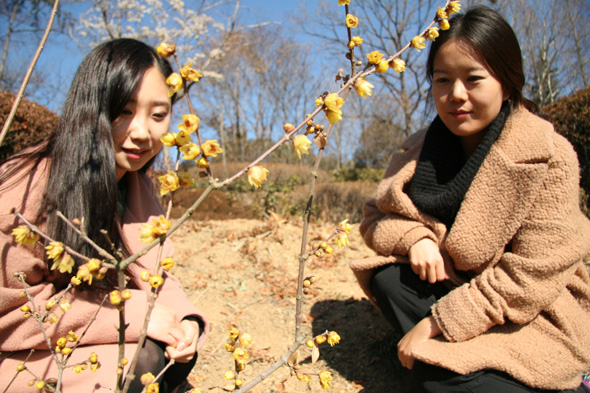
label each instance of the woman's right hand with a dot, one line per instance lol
(427, 261)
(163, 325)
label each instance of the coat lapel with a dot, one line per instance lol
(502, 192)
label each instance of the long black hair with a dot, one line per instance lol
(82, 182)
(493, 42)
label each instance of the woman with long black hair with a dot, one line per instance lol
(93, 169)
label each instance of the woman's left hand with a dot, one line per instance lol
(186, 343)
(424, 330)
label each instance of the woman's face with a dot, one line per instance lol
(467, 96)
(145, 118)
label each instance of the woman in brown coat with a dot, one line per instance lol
(478, 231)
(93, 167)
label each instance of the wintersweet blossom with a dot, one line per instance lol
(64, 263)
(325, 379)
(190, 73)
(185, 179)
(233, 333)
(190, 123)
(115, 297)
(398, 65)
(202, 163)
(174, 82)
(211, 148)
(152, 388)
(374, 57)
(333, 338)
(156, 280)
(246, 339)
(257, 175)
(351, 21)
(182, 138)
(432, 33)
(382, 66)
(363, 87)
(167, 263)
(64, 305)
(54, 250)
(240, 354)
(84, 274)
(345, 227)
(23, 235)
(418, 43)
(147, 378)
(94, 264)
(303, 377)
(145, 275)
(342, 239)
(333, 102)
(358, 41)
(453, 7)
(169, 139)
(149, 232)
(229, 375)
(166, 50)
(343, 2)
(168, 183)
(301, 144)
(441, 13)
(444, 24)
(190, 151)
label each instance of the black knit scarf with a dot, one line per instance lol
(442, 175)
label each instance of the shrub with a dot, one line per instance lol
(31, 124)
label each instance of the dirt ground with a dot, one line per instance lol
(242, 273)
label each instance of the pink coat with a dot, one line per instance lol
(521, 238)
(18, 335)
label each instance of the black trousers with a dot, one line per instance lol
(405, 300)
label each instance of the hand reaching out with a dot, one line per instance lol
(427, 261)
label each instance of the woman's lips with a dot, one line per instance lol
(459, 114)
(135, 154)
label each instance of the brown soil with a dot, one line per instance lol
(242, 273)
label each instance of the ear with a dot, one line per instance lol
(505, 93)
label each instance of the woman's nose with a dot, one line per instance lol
(138, 129)
(458, 92)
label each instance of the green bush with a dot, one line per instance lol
(571, 118)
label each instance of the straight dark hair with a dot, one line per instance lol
(82, 182)
(494, 43)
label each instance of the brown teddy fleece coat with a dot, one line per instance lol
(18, 335)
(521, 239)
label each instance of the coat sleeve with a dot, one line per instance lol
(543, 256)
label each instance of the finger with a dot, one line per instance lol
(441, 273)
(423, 274)
(432, 273)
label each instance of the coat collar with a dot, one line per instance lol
(502, 191)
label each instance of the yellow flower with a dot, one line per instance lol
(174, 82)
(147, 378)
(126, 294)
(145, 275)
(240, 365)
(319, 101)
(93, 358)
(167, 263)
(343, 2)
(374, 57)
(432, 33)
(246, 339)
(78, 368)
(310, 343)
(49, 305)
(149, 233)
(156, 281)
(115, 297)
(229, 347)
(357, 41)
(334, 116)
(342, 239)
(351, 21)
(453, 7)
(185, 179)
(168, 139)
(333, 338)
(182, 138)
(54, 250)
(94, 264)
(23, 235)
(75, 281)
(238, 382)
(382, 66)
(303, 377)
(84, 274)
(333, 102)
(202, 163)
(257, 175)
(161, 225)
(66, 351)
(363, 87)
(152, 388)
(345, 226)
(441, 13)
(301, 144)
(233, 333)
(444, 24)
(169, 183)
(320, 339)
(40, 385)
(398, 65)
(94, 366)
(64, 305)
(61, 342)
(229, 375)
(190, 123)
(211, 148)
(52, 318)
(418, 43)
(64, 263)
(190, 73)
(166, 50)
(325, 379)
(190, 151)
(240, 354)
